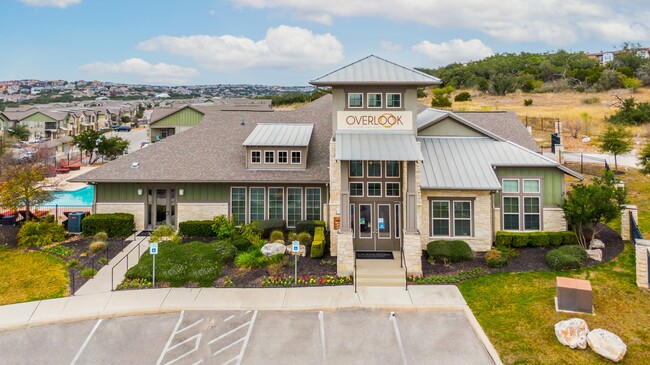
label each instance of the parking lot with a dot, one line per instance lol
(253, 337)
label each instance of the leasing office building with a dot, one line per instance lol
(381, 169)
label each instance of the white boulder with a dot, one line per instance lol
(596, 243)
(595, 254)
(273, 248)
(606, 344)
(572, 332)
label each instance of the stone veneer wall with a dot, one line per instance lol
(200, 211)
(345, 256)
(553, 219)
(625, 220)
(413, 253)
(137, 209)
(642, 248)
(335, 198)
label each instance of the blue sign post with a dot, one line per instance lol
(153, 250)
(295, 248)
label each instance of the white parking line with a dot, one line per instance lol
(322, 335)
(196, 337)
(229, 318)
(399, 337)
(83, 346)
(171, 337)
(248, 336)
(243, 339)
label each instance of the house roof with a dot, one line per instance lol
(375, 70)
(283, 134)
(377, 146)
(20, 115)
(161, 113)
(212, 151)
(468, 163)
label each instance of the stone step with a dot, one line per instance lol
(365, 281)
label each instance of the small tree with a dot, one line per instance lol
(440, 97)
(111, 148)
(24, 185)
(615, 140)
(644, 160)
(592, 206)
(574, 127)
(631, 113)
(87, 141)
(20, 132)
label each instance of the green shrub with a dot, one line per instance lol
(97, 246)
(241, 244)
(226, 251)
(251, 259)
(59, 250)
(519, 239)
(463, 96)
(136, 283)
(103, 260)
(495, 259)
(453, 251)
(292, 236)
(101, 236)
(555, 238)
(224, 227)
(318, 223)
(269, 225)
(503, 239)
(305, 226)
(319, 234)
(592, 100)
(539, 239)
(277, 236)
(304, 238)
(569, 238)
(72, 264)
(317, 250)
(40, 234)
(115, 224)
(566, 257)
(88, 273)
(165, 233)
(528, 102)
(196, 228)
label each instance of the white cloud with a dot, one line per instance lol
(283, 46)
(555, 22)
(456, 50)
(615, 31)
(390, 46)
(212, 12)
(159, 73)
(51, 3)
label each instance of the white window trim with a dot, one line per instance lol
(268, 201)
(302, 205)
(381, 172)
(355, 107)
(399, 189)
(503, 212)
(368, 189)
(523, 186)
(283, 163)
(362, 190)
(272, 154)
(230, 215)
(538, 214)
(503, 183)
(250, 189)
(399, 172)
(470, 219)
(300, 157)
(363, 170)
(320, 201)
(400, 101)
(448, 219)
(256, 163)
(380, 100)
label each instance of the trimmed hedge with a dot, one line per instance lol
(569, 238)
(115, 224)
(539, 239)
(503, 239)
(555, 238)
(269, 225)
(318, 246)
(534, 239)
(453, 251)
(196, 228)
(520, 239)
(305, 226)
(566, 257)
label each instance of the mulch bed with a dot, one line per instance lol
(530, 259)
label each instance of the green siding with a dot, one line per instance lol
(204, 192)
(38, 117)
(553, 182)
(183, 118)
(118, 192)
(449, 127)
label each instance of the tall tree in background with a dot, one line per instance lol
(87, 141)
(19, 132)
(23, 185)
(644, 160)
(615, 140)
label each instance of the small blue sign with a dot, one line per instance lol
(153, 248)
(295, 246)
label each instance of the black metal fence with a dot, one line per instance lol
(541, 123)
(585, 164)
(59, 212)
(635, 232)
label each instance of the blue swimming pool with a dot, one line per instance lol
(78, 198)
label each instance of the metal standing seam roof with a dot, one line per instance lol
(375, 70)
(377, 147)
(467, 163)
(272, 134)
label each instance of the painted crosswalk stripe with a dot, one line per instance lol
(83, 346)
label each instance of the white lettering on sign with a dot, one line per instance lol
(370, 120)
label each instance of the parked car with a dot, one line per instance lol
(122, 128)
(144, 144)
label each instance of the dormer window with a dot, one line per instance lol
(256, 156)
(283, 157)
(355, 100)
(295, 157)
(269, 156)
(393, 100)
(278, 146)
(374, 100)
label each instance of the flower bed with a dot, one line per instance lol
(447, 279)
(288, 281)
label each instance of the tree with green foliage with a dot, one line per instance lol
(644, 160)
(111, 148)
(440, 97)
(615, 140)
(87, 141)
(20, 132)
(590, 207)
(24, 185)
(630, 112)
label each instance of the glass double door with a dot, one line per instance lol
(161, 207)
(376, 226)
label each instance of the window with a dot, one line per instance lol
(510, 186)
(440, 218)
(392, 189)
(531, 186)
(522, 207)
(374, 100)
(531, 214)
(256, 210)
(283, 157)
(356, 189)
(295, 157)
(462, 218)
(238, 204)
(276, 203)
(312, 204)
(374, 168)
(256, 156)
(392, 168)
(393, 100)
(374, 189)
(356, 169)
(294, 206)
(448, 222)
(269, 156)
(511, 213)
(355, 100)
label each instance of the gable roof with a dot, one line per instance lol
(431, 117)
(375, 70)
(161, 113)
(281, 134)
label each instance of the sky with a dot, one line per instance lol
(289, 42)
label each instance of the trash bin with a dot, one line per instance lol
(74, 221)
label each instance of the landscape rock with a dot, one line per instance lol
(273, 248)
(572, 332)
(302, 251)
(595, 254)
(596, 243)
(607, 344)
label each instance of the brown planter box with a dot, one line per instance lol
(574, 295)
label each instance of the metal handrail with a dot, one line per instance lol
(127, 261)
(403, 261)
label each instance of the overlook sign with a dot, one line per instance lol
(375, 120)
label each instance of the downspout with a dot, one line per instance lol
(493, 233)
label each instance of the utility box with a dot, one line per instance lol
(574, 295)
(74, 221)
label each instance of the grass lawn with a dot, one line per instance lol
(517, 312)
(28, 276)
